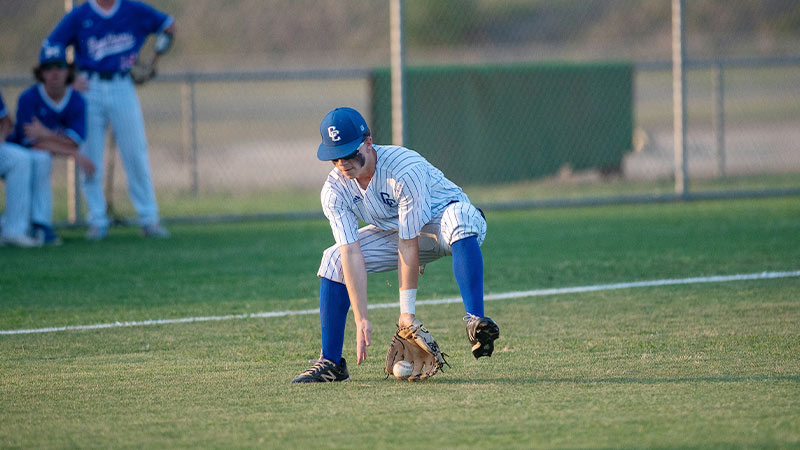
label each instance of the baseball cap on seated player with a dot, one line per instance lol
(342, 132)
(52, 53)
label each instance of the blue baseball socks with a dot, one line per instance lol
(468, 270)
(334, 303)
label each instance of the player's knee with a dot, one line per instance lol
(21, 160)
(41, 162)
(330, 254)
(40, 158)
(331, 266)
(462, 224)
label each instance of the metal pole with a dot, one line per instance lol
(679, 99)
(73, 177)
(719, 118)
(398, 62)
(189, 109)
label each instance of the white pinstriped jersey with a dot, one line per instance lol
(404, 194)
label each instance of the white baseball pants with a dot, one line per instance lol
(115, 102)
(15, 167)
(41, 187)
(457, 221)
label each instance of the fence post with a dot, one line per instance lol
(398, 62)
(719, 117)
(188, 109)
(679, 99)
(73, 177)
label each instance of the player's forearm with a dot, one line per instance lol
(355, 278)
(57, 146)
(6, 126)
(408, 263)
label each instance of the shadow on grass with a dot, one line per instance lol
(622, 380)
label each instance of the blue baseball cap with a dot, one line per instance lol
(52, 53)
(342, 132)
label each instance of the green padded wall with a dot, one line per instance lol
(501, 123)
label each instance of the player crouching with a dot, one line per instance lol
(414, 216)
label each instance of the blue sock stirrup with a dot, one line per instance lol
(468, 270)
(333, 306)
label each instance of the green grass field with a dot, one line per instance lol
(703, 365)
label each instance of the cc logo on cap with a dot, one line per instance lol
(334, 134)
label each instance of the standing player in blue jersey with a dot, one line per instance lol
(107, 36)
(51, 120)
(414, 214)
(15, 168)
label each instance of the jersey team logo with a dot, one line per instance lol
(386, 198)
(334, 134)
(110, 44)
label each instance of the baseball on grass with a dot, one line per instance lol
(402, 369)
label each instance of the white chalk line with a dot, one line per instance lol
(501, 296)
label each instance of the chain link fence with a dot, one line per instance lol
(239, 135)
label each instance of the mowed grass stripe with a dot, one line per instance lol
(500, 296)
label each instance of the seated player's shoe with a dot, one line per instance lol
(46, 235)
(481, 332)
(21, 241)
(156, 231)
(323, 371)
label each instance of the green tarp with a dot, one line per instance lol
(501, 123)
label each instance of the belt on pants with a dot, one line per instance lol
(479, 210)
(107, 76)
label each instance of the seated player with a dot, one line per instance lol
(51, 120)
(15, 168)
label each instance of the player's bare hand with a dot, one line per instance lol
(363, 339)
(36, 131)
(85, 164)
(81, 83)
(6, 127)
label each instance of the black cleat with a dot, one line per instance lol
(323, 371)
(481, 332)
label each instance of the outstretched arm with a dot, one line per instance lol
(355, 278)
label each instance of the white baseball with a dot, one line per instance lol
(402, 369)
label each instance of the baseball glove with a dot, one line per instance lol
(415, 344)
(142, 72)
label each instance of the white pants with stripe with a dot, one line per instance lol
(41, 188)
(380, 247)
(115, 102)
(15, 168)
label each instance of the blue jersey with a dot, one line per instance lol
(67, 117)
(108, 41)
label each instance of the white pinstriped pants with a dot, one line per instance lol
(457, 221)
(15, 167)
(115, 102)
(41, 187)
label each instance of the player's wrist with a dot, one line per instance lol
(360, 320)
(406, 320)
(408, 300)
